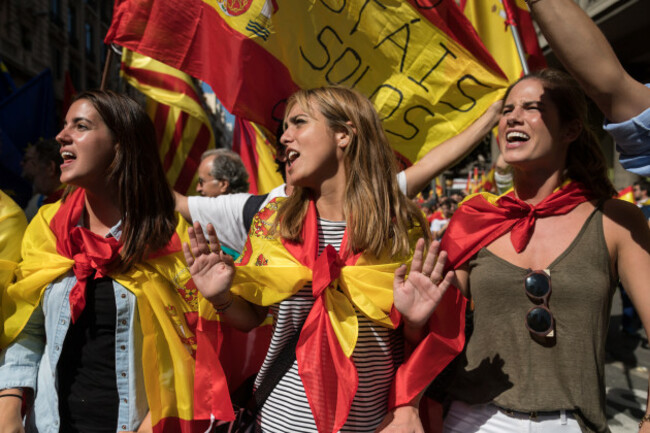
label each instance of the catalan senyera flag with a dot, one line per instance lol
(174, 105)
(419, 61)
(258, 156)
(627, 194)
(493, 20)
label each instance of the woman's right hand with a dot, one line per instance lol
(212, 270)
(12, 421)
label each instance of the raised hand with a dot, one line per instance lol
(418, 296)
(212, 270)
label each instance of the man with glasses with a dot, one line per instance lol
(221, 172)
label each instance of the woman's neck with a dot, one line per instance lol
(102, 212)
(534, 186)
(330, 199)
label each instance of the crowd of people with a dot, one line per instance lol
(102, 304)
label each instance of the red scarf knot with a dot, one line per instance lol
(327, 269)
(91, 253)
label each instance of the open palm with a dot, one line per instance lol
(212, 270)
(418, 296)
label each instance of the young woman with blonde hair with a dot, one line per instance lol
(328, 261)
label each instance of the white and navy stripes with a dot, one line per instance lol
(377, 354)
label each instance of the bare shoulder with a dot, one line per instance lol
(623, 221)
(622, 214)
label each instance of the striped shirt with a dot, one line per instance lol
(378, 353)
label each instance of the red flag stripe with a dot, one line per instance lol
(191, 164)
(163, 81)
(244, 144)
(160, 120)
(176, 140)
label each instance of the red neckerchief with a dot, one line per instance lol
(478, 222)
(91, 253)
(329, 377)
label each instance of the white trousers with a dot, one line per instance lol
(487, 418)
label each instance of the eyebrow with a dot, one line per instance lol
(293, 119)
(526, 104)
(79, 119)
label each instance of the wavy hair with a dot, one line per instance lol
(378, 215)
(585, 161)
(143, 194)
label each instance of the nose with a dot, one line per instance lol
(62, 137)
(286, 137)
(513, 117)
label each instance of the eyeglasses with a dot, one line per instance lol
(539, 319)
(203, 182)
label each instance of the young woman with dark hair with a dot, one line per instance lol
(541, 265)
(96, 326)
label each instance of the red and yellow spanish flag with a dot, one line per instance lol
(493, 20)
(258, 156)
(174, 105)
(12, 226)
(627, 194)
(167, 305)
(419, 61)
(344, 285)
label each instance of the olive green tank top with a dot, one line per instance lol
(503, 364)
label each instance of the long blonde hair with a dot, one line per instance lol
(378, 215)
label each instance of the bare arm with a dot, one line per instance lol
(213, 271)
(182, 207)
(585, 53)
(449, 152)
(10, 407)
(628, 239)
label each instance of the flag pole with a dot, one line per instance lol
(515, 35)
(107, 65)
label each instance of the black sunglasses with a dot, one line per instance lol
(539, 319)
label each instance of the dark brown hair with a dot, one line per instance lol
(143, 194)
(585, 162)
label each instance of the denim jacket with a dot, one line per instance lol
(31, 360)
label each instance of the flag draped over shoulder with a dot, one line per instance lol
(493, 21)
(271, 270)
(12, 226)
(419, 61)
(258, 156)
(167, 303)
(174, 105)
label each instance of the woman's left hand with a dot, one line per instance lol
(418, 296)
(402, 419)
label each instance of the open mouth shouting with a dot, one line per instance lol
(68, 157)
(292, 155)
(515, 136)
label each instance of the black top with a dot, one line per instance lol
(88, 397)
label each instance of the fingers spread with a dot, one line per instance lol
(189, 258)
(201, 243)
(430, 260)
(416, 264)
(215, 245)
